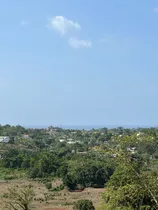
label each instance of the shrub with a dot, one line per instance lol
(48, 185)
(33, 173)
(83, 205)
(80, 187)
(9, 177)
(59, 188)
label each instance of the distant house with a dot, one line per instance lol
(139, 134)
(61, 140)
(132, 150)
(71, 142)
(26, 136)
(114, 155)
(4, 139)
(82, 153)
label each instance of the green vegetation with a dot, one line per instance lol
(48, 185)
(133, 185)
(9, 173)
(89, 171)
(124, 161)
(83, 205)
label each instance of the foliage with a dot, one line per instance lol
(8, 173)
(131, 186)
(86, 172)
(83, 205)
(48, 185)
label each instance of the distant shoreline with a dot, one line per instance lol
(88, 127)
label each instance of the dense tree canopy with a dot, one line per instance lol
(133, 185)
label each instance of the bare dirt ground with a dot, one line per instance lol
(48, 200)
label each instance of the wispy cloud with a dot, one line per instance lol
(63, 25)
(79, 43)
(24, 23)
(155, 9)
(67, 28)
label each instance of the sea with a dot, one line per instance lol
(87, 127)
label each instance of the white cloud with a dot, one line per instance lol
(155, 9)
(62, 25)
(78, 43)
(24, 23)
(67, 28)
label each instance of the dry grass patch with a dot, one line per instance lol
(50, 200)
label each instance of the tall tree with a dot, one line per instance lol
(19, 198)
(131, 186)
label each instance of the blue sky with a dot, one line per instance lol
(77, 62)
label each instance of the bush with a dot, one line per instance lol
(35, 173)
(70, 182)
(10, 177)
(83, 205)
(48, 185)
(80, 187)
(59, 188)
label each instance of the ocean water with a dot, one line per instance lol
(73, 127)
(88, 127)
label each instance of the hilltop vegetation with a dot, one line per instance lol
(125, 161)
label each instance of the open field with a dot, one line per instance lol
(50, 200)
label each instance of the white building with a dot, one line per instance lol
(71, 142)
(4, 139)
(139, 134)
(26, 136)
(132, 150)
(61, 140)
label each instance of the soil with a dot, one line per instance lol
(50, 200)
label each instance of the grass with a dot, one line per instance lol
(8, 173)
(49, 200)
